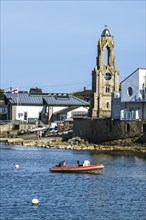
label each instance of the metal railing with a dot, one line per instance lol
(140, 95)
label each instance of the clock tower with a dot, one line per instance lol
(105, 77)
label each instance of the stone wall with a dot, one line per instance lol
(100, 130)
(10, 126)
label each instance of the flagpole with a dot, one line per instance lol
(17, 101)
(17, 106)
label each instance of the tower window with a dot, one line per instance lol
(107, 89)
(107, 105)
(107, 76)
(106, 56)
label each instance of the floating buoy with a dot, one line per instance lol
(16, 166)
(35, 202)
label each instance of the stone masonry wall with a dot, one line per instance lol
(100, 130)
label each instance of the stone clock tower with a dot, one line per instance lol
(105, 77)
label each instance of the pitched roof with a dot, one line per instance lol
(23, 99)
(68, 100)
(133, 73)
(53, 99)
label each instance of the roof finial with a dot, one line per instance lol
(106, 32)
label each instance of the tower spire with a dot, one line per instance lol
(105, 78)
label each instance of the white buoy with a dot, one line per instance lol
(35, 202)
(16, 166)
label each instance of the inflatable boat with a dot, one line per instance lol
(84, 168)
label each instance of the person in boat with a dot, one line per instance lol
(78, 162)
(62, 163)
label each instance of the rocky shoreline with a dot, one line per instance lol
(77, 143)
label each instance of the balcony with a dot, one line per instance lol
(79, 114)
(131, 114)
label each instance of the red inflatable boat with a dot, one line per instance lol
(85, 168)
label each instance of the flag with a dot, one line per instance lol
(15, 90)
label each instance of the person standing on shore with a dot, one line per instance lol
(40, 134)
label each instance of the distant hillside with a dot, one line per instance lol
(85, 95)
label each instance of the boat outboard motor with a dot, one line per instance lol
(86, 163)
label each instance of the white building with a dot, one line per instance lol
(33, 107)
(130, 103)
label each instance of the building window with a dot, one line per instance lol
(130, 91)
(20, 115)
(25, 115)
(107, 105)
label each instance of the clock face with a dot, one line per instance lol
(107, 76)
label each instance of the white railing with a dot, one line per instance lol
(79, 114)
(130, 114)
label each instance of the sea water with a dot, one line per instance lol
(118, 193)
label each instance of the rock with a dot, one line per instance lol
(77, 143)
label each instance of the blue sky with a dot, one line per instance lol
(53, 44)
